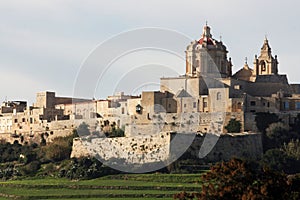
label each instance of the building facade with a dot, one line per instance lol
(203, 100)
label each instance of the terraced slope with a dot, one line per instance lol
(131, 186)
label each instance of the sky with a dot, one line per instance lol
(43, 44)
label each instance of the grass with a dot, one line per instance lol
(146, 198)
(128, 186)
(75, 192)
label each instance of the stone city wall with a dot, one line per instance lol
(212, 148)
(163, 147)
(139, 149)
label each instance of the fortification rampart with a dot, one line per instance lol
(161, 147)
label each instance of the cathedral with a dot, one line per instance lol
(203, 100)
(200, 102)
(212, 95)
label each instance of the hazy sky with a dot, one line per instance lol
(43, 43)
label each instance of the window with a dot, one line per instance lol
(252, 111)
(123, 110)
(268, 104)
(237, 87)
(16, 120)
(219, 96)
(204, 104)
(23, 119)
(298, 105)
(194, 105)
(286, 105)
(184, 105)
(263, 66)
(169, 105)
(252, 103)
(138, 109)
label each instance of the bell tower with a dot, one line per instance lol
(265, 64)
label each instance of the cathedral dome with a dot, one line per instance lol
(206, 37)
(207, 56)
(208, 41)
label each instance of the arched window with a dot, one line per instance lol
(263, 66)
(219, 96)
(138, 109)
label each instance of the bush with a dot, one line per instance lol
(264, 119)
(116, 132)
(8, 171)
(238, 179)
(277, 134)
(12, 152)
(30, 169)
(277, 160)
(59, 149)
(292, 149)
(82, 168)
(233, 126)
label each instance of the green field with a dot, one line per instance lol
(130, 186)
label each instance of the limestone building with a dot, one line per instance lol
(208, 95)
(202, 100)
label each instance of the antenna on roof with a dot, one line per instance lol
(206, 22)
(220, 38)
(246, 59)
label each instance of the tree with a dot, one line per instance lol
(82, 168)
(276, 160)
(292, 149)
(30, 169)
(116, 132)
(43, 140)
(264, 119)
(277, 134)
(238, 179)
(296, 125)
(59, 149)
(233, 126)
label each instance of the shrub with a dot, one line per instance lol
(292, 149)
(59, 149)
(233, 126)
(238, 179)
(30, 169)
(82, 168)
(264, 119)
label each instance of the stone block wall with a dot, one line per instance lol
(224, 147)
(139, 149)
(163, 147)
